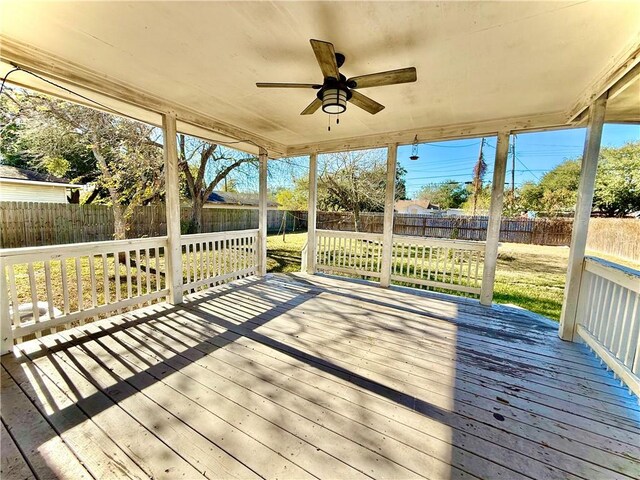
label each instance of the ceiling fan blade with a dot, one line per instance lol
(313, 106)
(365, 103)
(392, 77)
(326, 56)
(287, 85)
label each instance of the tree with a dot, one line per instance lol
(296, 197)
(479, 171)
(450, 194)
(617, 189)
(123, 158)
(355, 181)
(205, 166)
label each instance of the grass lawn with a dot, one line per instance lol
(529, 276)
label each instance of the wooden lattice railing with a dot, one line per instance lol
(48, 289)
(437, 263)
(214, 258)
(608, 317)
(428, 262)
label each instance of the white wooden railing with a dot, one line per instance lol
(214, 258)
(350, 253)
(48, 289)
(430, 262)
(437, 263)
(608, 317)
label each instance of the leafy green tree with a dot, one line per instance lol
(123, 158)
(617, 191)
(450, 194)
(296, 197)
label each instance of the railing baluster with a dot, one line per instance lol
(92, 279)
(34, 295)
(127, 262)
(47, 281)
(157, 266)
(65, 285)
(15, 303)
(138, 276)
(105, 275)
(147, 273)
(116, 269)
(79, 286)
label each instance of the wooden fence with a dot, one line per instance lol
(619, 237)
(24, 224)
(537, 231)
(27, 224)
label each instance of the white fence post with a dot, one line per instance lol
(581, 220)
(311, 215)
(495, 219)
(6, 343)
(262, 213)
(389, 204)
(173, 253)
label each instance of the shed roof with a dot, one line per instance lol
(236, 198)
(482, 66)
(15, 173)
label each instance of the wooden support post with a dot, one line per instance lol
(173, 252)
(262, 213)
(387, 227)
(6, 332)
(584, 205)
(311, 215)
(495, 219)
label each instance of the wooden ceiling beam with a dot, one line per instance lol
(625, 63)
(552, 121)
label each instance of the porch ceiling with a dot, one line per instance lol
(492, 64)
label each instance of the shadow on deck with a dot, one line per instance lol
(312, 376)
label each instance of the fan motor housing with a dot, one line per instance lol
(332, 83)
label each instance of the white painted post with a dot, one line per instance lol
(311, 214)
(173, 253)
(6, 343)
(495, 219)
(584, 205)
(262, 213)
(389, 204)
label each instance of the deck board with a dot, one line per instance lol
(299, 377)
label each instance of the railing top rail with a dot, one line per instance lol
(218, 235)
(83, 248)
(625, 276)
(462, 244)
(348, 234)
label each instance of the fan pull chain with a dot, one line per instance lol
(329, 124)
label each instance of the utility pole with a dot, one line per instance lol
(513, 169)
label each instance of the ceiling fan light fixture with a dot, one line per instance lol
(334, 101)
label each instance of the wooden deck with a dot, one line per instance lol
(299, 377)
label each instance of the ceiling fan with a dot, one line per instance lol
(336, 90)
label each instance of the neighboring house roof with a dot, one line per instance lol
(21, 175)
(426, 204)
(234, 198)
